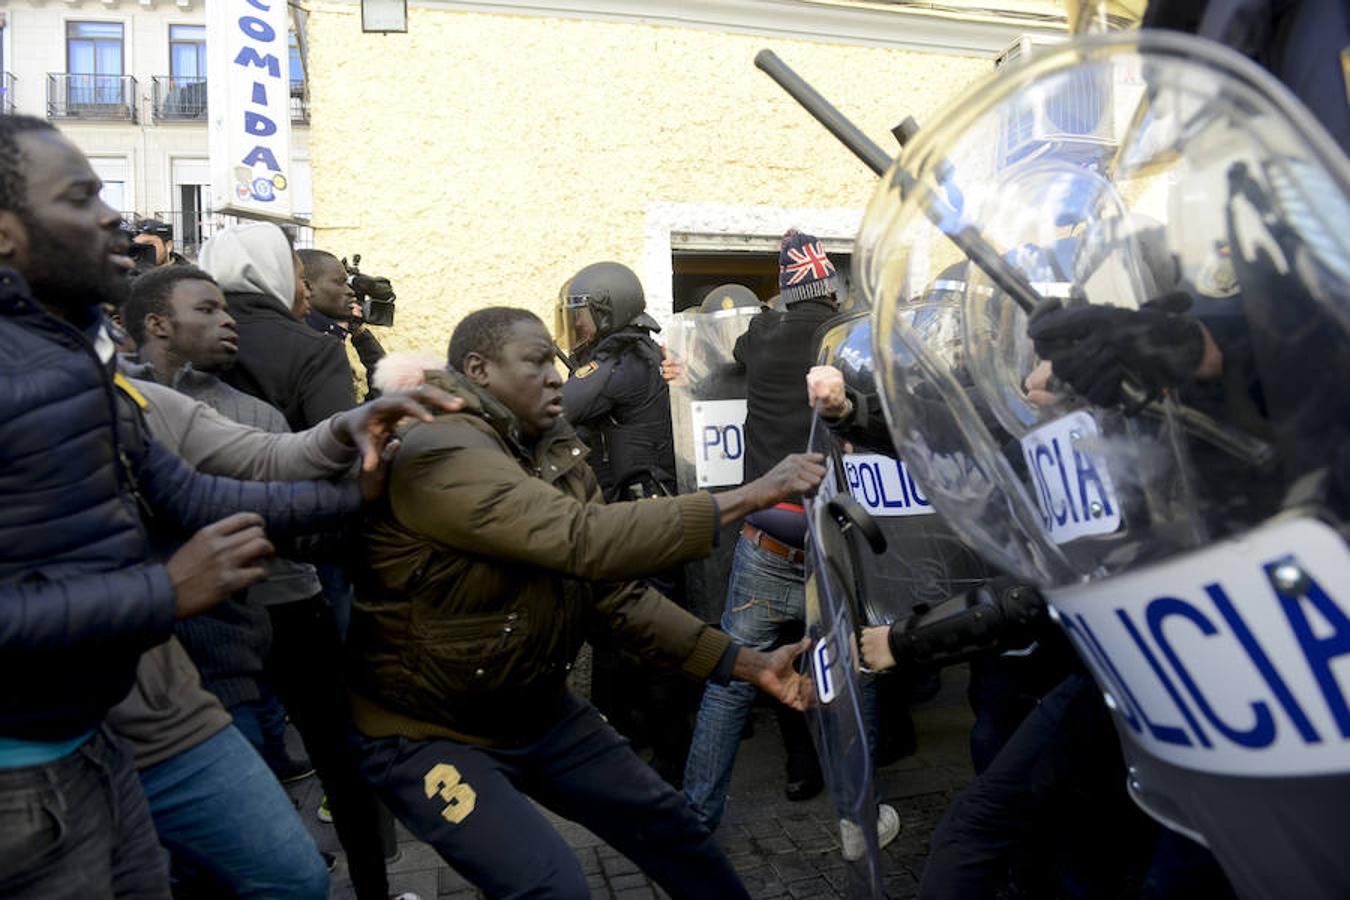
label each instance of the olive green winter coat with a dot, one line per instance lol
(491, 563)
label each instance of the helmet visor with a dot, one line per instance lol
(576, 326)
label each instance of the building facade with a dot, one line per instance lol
(126, 81)
(493, 149)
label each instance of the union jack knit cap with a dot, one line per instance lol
(804, 271)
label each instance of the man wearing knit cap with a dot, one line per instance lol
(766, 604)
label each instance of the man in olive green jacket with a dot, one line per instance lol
(493, 561)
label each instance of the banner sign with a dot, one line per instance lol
(884, 486)
(249, 107)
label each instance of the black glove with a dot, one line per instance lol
(1093, 347)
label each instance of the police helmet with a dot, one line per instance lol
(599, 300)
(729, 296)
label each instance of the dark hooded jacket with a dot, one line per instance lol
(281, 360)
(490, 565)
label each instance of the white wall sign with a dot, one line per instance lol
(1072, 484)
(719, 442)
(248, 92)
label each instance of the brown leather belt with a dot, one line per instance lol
(760, 538)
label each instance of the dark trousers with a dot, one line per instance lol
(305, 669)
(470, 804)
(79, 828)
(1062, 771)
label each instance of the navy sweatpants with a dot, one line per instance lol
(470, 804)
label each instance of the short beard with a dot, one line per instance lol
(59, 278)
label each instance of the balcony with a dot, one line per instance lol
(7, 81)
(179, 99)
(299, 104)
(77, 96)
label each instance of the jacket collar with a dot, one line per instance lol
(560, 440)
(186, 380)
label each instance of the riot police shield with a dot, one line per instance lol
(1162, 444)
(707, 411)
(925, 562)
(836, 714)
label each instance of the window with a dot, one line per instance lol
(297, 65)
(94, 61)
(187, 51)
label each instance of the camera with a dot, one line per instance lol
(143, 255)
(373, 292)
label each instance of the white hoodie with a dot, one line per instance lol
(252, 258)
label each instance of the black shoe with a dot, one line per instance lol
(798, 789)
(293, 769)
(329, 859)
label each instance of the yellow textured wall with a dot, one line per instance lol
(481, 159)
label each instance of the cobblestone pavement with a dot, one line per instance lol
(781, 849)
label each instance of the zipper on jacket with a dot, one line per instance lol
(126, 472)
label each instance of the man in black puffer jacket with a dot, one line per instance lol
(80, 598)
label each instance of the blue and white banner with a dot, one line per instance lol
(249, 107)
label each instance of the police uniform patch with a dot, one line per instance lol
(1217, 278)
(587, 369)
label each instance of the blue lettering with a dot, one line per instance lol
(1261, 734)
(262, 155)
(257, 29)
(871, 493)
(1087, 471)
(1125, 699)
(259, 93)
(1169, 733)
(1064, 479)
(250, 57)
(903, 502)
(726, 442)
(1263, 665)
(1060, 515)
(259, 125)
(851, 472)
(1319, 651)
(712, 437)
(257, 4)
(919, 497)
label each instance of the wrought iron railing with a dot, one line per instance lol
(191, 228)
(179, 99)
(7, 81)
(299, 104)
(71, 95)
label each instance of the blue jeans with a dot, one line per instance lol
(219, 808)
(766, 600)
(78, 828)
(470, 803)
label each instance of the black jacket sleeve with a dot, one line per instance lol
(189, 500)
(135, 604)
(586, 397)
(326, 385)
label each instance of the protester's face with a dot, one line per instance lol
(66, 244)
(300, 305)
(524, 377)
(201, 330)
(161, 248)
(330, 293)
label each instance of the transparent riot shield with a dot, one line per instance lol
(925, 562)
(1181, 500)
(838, 723)
(707, 412)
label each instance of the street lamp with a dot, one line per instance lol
(384, 16)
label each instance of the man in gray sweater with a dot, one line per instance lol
(215, 804)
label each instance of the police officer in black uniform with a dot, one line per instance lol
(616, 398)
(620, 405)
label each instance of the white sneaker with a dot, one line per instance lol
(851, 840)
(406, 895)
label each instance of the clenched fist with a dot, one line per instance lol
(220, 559)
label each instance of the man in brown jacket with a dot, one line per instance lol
(494, 559)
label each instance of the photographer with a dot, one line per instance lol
(335, 309)
(158, 236)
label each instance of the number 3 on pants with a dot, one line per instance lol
(460, 799)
